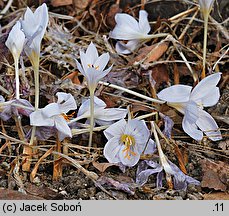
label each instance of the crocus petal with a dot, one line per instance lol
(116, 129)
(51, 109)
(2, 99)
(204, 87)
(140, 132)
(208, 125)
(85, 107)
(62, 126)
(37, 118)
(110, 114)
(92, 53)
(191, 129)
(175, 94)
(211, 98)
(111, 150)
(143, 22)
(16, 40)
(101, 62)
(129, 161)
(80, 68)
(126, 48)
(66, 102)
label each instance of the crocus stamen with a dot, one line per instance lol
(128, 141)
(68, 117)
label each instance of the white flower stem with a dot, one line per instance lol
(157, 35)
(203, 74)
(37, 85)
(91, 117)
(132, 92)
(17, 78)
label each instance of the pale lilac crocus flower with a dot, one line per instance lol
(129, 29)
(54, 114)
(102, 115)
(15, 43)
(191, 102)
(127, 141)
(93, 68)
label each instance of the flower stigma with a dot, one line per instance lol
(129, 142)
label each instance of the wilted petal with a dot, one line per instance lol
(116, 129)
(175, 94)
(126, 48)
(62, 127)
(66, 102)
(111, 150)
(143, 176)
(204, 87)
(143, 22)
(37, 118)
(16, 40)
(208, 125)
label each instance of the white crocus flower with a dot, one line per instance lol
(92, 67)
(34, 26)
(102, 115)
(15, 43)
(127, 141)
(129, 29)
(54, 114)
(15, 40)
(191, 103)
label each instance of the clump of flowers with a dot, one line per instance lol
(92, 67)
(127, 141)
(190, 102)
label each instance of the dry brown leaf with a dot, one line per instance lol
(58, 3)
(102, 166)
(73, 77)
(34, 171)
(215, 174)
(160, 74)
(157, 52)
(216, 196)
(151, 53)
